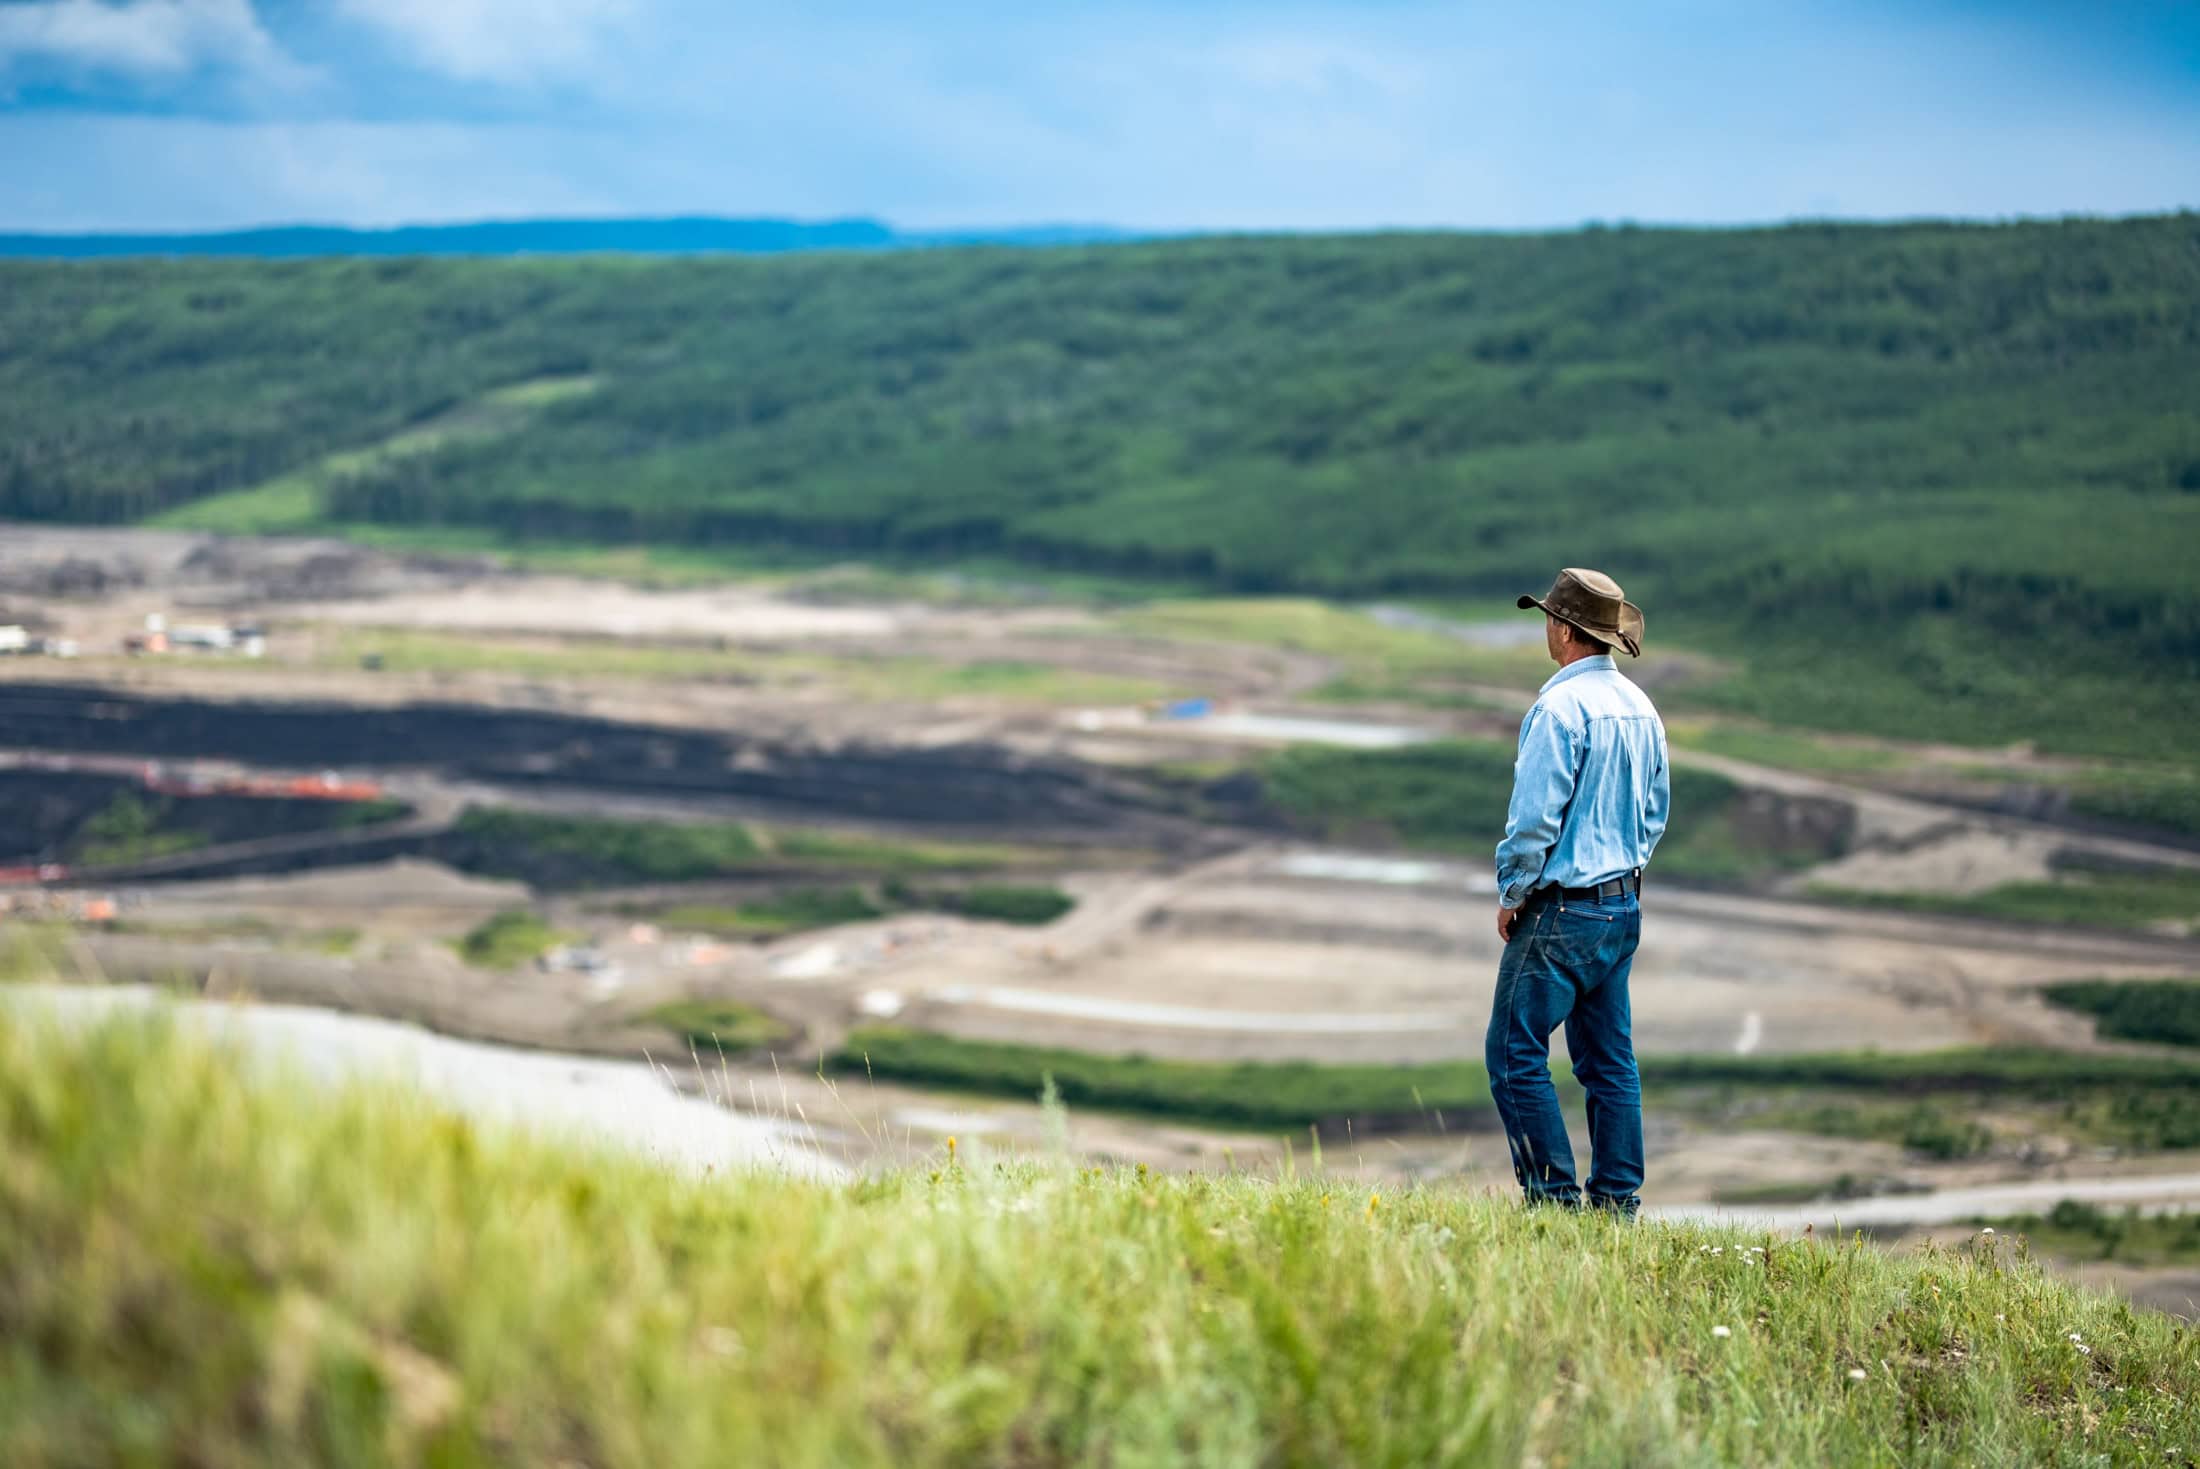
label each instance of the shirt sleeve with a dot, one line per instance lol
(1658, 805)
(1543, 785)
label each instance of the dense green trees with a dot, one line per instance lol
(1887, 440)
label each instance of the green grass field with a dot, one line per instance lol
(1451, 796)
(1286, 1096)
(1941, 1129)
(334, 941)
(510, 939)
(585, 851)
(2079, 1231)
(2165, 799)
(796, 910)
(879, 677)
(1784, 749)
(1932, 1101)
(2163, 1011)
(35, 948)
(2093, 899)
(1376, 661)
(1928, 1102)
(1028, 904)
(130, 829)
(793, 911)
(716, 1028)
(202, 1268)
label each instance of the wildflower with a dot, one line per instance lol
(1722, 1332)
(1374, 1202)
(950, 1150)
(1989, 1229)
(1857, 1374)
(1998, 1316)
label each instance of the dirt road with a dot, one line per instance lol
(2171, 1192)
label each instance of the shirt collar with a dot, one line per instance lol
(1594, 663)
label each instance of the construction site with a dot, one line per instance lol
(397, 752)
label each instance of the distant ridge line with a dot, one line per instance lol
(692, 235)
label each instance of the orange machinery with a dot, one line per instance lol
(327, 786)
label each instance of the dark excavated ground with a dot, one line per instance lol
(958, 789)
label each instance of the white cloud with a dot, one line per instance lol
(1179, 121)
(1319, 66)
(137, 172)
(495, 40)
(144, 38)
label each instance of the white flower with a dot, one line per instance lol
(1989, 1229)
(1857, 1374)
(1722, 1332)
(2074, 1336)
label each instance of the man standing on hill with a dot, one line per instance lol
(1590, 793)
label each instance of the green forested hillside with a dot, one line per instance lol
(1877, 445)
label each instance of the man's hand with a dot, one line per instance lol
(1506, 918)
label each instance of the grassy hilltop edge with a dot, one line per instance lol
(1926, 480)
(200, 1267)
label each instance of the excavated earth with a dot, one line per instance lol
(967, 789)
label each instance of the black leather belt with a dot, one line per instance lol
(1611, 887)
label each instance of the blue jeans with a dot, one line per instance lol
(1567, 965)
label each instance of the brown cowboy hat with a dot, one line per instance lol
(1593, 602)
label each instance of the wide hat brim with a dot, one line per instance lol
(1626, 637)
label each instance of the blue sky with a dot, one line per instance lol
(1204, 114)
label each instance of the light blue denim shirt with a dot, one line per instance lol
(1590, 785)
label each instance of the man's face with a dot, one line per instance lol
(1554, 638)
